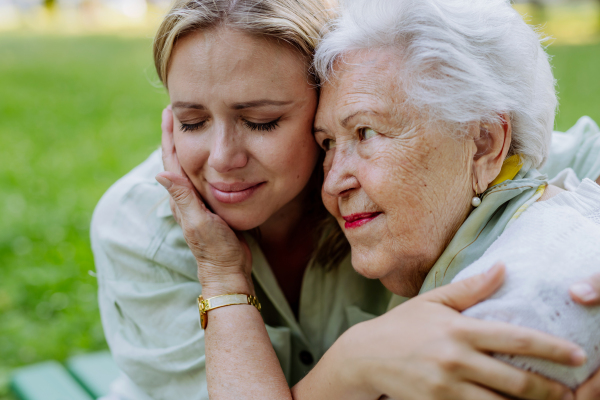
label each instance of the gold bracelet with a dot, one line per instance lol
(204, 306)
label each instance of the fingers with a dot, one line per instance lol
(466, 293)
(501, 337)
(174, 210)
(169, 153)
(587, 292)
(191, 208)
(495, 374)
(167, 120)
(589, 390)
(469, 391)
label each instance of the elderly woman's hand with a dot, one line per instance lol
(223, 257)
(425, 349)
(587, 292)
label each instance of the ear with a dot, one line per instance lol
(492, 143)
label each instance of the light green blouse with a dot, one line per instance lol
(148, 286)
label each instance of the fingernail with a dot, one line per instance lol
(578, 357)
(494, 269)
(568, 396)
(164, 181)
(584, 291)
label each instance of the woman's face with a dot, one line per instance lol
(398, 188)
(243, 112)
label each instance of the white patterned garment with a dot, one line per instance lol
(552, 245)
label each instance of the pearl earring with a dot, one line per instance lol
(476, 201)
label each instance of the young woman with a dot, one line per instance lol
(240, 155)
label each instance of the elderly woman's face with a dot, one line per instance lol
(399, 188)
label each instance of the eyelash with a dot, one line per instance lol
(192, 127)
(266, 127)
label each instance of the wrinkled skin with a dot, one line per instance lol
(387, 160)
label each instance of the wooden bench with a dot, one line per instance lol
(84, 377)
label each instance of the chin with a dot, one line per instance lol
(241, 220)
(401, 278)
(368, 265)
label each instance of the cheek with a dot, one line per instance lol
(398, 173)
(289, 157)
(331, 204)
(192, 152)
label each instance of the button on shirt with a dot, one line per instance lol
(148, 289)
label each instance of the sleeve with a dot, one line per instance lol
(578, 149)
(147, 292)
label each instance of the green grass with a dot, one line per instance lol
(578, 75)
(76, 113)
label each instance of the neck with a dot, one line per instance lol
(287, 241)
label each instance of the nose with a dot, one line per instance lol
(340, 172)
(227, 152)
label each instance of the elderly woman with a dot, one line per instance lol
(434, 116)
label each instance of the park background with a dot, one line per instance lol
(80, 106)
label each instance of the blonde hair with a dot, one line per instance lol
(298, 23)
(295, 22)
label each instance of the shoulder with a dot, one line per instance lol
(129, 202)
(132, 221)
(561, 234)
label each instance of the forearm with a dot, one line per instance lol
(240, 360)
(334, 377)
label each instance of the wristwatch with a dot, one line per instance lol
(204, 306)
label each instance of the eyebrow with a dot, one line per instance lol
(346, 120)
(260, 103)
(183, 104)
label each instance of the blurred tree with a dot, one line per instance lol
(50, 4)
(598, 26)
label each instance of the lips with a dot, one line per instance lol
(231, 193)
(356, 220)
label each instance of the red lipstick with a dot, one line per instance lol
(356, 220)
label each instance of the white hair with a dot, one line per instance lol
(462, 61)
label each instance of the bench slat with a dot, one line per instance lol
(46, 381)
(95, 372)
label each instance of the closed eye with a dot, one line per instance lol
(265, 127)
(192, 127)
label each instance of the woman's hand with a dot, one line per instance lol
(223, 257)
(425, 349)
(587, 292)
